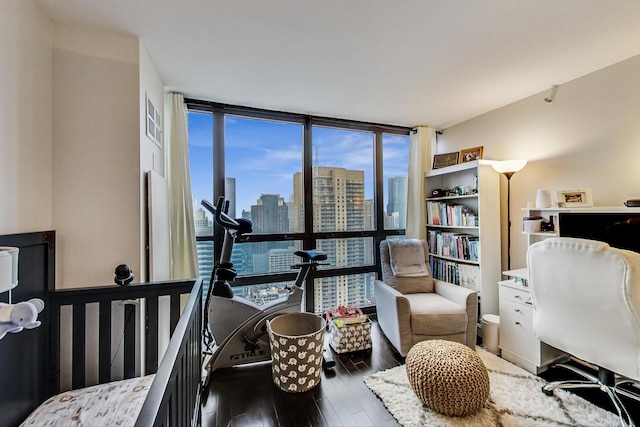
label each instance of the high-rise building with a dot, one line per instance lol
(339, 205)
(230, 195)
(397, 206)
(269, 215)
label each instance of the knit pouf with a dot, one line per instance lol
(448, 377)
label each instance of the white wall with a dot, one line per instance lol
(152, 158)
(25, 118)
(588, 138)
(73, 145)
(96, 155)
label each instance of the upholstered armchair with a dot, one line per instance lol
(416, 307)
(586, 301)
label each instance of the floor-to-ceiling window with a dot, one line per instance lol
(303, 182)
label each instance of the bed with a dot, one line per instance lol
(140, 342)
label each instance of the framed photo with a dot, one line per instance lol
(574, 198)
(471, 154)
(444, 160)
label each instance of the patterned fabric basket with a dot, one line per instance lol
(350, 337)
(297, 342)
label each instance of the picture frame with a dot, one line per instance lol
(471, 154)
(580, 198)
(154, 122)
(444, 160)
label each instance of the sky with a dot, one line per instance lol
(264, 155)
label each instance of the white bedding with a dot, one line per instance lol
(116, 403)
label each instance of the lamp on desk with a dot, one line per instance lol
(508, 168)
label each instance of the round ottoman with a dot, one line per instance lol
(448, 377)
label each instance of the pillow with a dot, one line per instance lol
(407, 258)
(405, 285)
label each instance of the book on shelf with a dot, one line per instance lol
(448, 214)
(453, 245)
(444, 270)
(465, 275)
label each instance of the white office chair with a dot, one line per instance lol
(586, 298)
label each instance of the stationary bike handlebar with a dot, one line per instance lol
(220, 213)
(241, 226)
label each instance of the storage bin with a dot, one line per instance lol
(297, 343)
(350, 337)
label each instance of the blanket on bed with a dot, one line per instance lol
(116, 403)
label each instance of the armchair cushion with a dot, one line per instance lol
(434, 315)
(406, 285)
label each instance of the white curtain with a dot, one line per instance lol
(182, 233)
(421, 142)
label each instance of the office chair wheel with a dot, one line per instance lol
(547, 392)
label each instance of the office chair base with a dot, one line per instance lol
(604, 381)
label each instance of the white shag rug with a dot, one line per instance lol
(516, 400)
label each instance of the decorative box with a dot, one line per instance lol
(353, 334)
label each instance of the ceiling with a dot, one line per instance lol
(403, 62)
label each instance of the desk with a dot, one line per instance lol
(518, 343)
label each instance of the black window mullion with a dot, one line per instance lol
(218, 178)
(309, 241)
(378, 198)
(308, 237)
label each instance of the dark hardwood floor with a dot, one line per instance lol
(247, 396)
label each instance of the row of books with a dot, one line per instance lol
(464, 275)
(453, 245)
(448, 214)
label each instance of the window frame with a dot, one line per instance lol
(308, 236)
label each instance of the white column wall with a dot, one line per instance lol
(25, 118)
(96, 155)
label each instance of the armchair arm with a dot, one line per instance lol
(468, 299)
(394, 316)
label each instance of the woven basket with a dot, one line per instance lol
(448, 377)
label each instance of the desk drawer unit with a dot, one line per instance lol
(518, 342)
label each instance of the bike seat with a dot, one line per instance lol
(312, 255)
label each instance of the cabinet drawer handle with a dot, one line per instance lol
(518, 323)
(518, 310)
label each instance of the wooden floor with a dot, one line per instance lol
(247, 396)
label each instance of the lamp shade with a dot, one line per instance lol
(506, 166)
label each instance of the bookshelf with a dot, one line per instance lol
(463, 229)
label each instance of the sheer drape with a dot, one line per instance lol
(182, 233)
(420, 145)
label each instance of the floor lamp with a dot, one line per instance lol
(508, 168)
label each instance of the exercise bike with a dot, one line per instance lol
(237, 326)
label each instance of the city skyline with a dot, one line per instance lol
(339, 205)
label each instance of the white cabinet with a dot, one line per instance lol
(518, 343)
(463, 228)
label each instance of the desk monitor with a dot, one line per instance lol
(618, 229)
